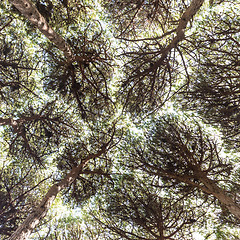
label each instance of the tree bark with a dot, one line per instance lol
(222, 196)
(211, 188)
(25, 229)
(180, 31)
(33, 15)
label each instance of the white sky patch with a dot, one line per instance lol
(197, 236)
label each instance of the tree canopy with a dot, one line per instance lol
(119, 119)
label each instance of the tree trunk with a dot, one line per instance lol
(180, 31)
(24, 230)
(33, 15)
(210, 187)
(222, 196)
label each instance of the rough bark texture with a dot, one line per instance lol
(33, 15)
(210, 187)
(25, 229)
(222, 196)
(186, 17)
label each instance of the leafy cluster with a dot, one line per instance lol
(131, 108)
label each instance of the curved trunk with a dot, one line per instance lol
(190, 12)
(25, 229)
(222, 196)
(33, 15)
(210, 187)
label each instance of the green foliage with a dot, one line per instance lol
(133, 63)
(214, 88)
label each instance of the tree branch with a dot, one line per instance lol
(33, 15)
(40, 212)
(186, 17)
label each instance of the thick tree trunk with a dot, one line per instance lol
(40, 212)
(33, 15)
(210, 187)
(222, 196)
(193, 8)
